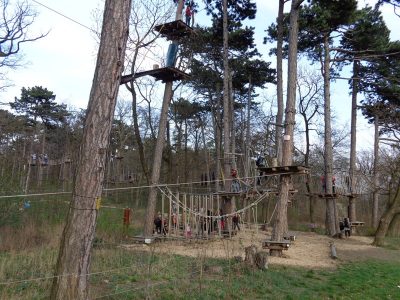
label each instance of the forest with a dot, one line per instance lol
(184, 179)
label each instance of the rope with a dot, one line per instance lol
(63, 275)
(127, 188)
(179, 203)
(61, 14)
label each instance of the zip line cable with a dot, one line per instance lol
(64, 16)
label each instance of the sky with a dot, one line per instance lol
(64, 60)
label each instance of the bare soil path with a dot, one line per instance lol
(310, 250)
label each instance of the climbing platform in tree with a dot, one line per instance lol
(166, 74)
(275, 245)
(351, 195)
(284, 170)
(229, 194)
(174, 30)
(334, 195)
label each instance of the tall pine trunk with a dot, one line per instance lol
(331, 211)
(279, 84)
(281, 222)
(73, 264)
(353, 143)
(375, 195)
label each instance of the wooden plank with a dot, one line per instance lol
(174, 30)
(284, 170)
(276, 245)
(357, 224)
(166, 74)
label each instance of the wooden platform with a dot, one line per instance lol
(174, 30)
(290, 237)
(284, 170)
(166, 74)
(327, 195)
(351, 195)
(357, 224)
(275, 245)
(229, 194)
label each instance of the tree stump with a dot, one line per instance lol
(250, 253)
(254, 258)
(261, 259)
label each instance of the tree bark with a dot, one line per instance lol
(155, 174)
(353, 142)
(136, 130)
(387, 219)
(248, 139)
(279, 84)
(226, 104)
(71, 281)
(331, 211)
(280, 224)
(375, 195)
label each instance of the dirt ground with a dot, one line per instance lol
(309, 250)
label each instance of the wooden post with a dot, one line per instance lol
(177, 214)
(255, 221)
(162, 212)
(219, 219)
(169, 215)
(184, 213)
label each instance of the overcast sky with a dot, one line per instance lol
(64, 60)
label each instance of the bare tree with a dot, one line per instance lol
(15, 22)
(310, 91)
(71, 280)
(147, 14)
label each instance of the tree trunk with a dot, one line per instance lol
(280, 224)
(226, 104)
(385, 221)
(155, 175)
(248, 137)
(375, 195)
(279, 84)
(217, 124)
(353, 137)
(332, 222)
(71, 281)
(136, 131)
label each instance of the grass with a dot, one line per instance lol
(137, 275)
(392, 243)
(29, 242)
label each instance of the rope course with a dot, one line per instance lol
(124, 188)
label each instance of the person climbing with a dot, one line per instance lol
(171, 54)
(341, 227)
(260, 163)
(235, 222)
(158, 223)
(188, 14)
(323, 182)
(347, 227)
(235, 186)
